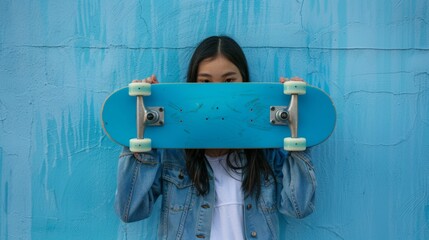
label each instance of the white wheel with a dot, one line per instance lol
(139, 89)
(294, 87)
(140, 145)
(295, 144)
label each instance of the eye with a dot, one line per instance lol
(203, 80)
(230, 80)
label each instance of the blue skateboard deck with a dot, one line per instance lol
(218, 115)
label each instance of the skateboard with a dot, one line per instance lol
(218, 115)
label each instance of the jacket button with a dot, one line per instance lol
(201, 236)
(249, 206)
(253, 234)
(205, 206)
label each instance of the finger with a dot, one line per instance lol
(283, 79)
(154, 80)
(147, 80)
(297, 79)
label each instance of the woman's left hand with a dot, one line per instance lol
(283, 79)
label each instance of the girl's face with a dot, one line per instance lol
(217, 70)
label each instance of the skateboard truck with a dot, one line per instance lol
(155, 116)
(283, 115)
(150, 116)
(279, 115)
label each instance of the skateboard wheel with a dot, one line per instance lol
(139, 89)
(294, 87)
(295, 144)
(140, 145)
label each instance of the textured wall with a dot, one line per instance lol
(60, 59)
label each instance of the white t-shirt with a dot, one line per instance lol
(227, 222)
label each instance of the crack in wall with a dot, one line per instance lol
(125, 47)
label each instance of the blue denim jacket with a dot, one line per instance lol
(142, 178)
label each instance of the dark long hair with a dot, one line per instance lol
(211, 47)
(255, 168)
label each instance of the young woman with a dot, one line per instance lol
(216, 193)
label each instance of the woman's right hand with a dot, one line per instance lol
(152, 80)
(283, 79)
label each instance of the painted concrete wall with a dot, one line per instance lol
(60, 59)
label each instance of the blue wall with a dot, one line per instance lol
(60, 59)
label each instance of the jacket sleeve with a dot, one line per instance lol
(138, 184)
(296, 183)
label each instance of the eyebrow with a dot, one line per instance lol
(223, 75)
(229, 74)
(204, 75)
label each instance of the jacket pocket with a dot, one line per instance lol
(268, 196)
(177, 188)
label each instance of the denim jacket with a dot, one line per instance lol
(142, 178)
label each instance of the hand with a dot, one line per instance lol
(283, 79)
(152, 80)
